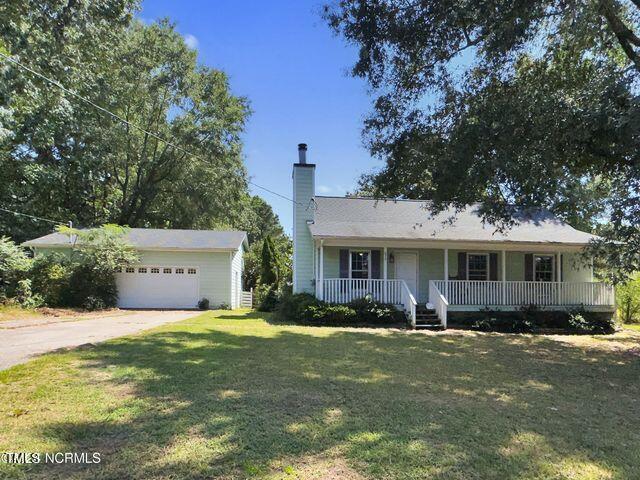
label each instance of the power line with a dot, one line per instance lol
(33, 216)
(124, 120)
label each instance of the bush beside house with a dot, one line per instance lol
(85, 278)
(14, 265)
(532, 319)
(306, 309)
(303, 308)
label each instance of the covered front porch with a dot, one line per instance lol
(458, 277)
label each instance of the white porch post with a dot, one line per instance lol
(446, 273)
(559, 279)
(504, 277)
(321, 268)
(316, 268)
(384, 269)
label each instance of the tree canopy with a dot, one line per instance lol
(61, 158)
(512, 104)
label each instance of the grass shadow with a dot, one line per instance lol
(235, 397)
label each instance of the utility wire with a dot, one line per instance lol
(33, 216)
(125, 121)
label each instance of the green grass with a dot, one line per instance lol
(228, 395)
(633, 326)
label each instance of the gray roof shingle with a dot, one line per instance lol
(341, 217)
(155, 238)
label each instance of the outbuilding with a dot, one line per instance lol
(177, 267)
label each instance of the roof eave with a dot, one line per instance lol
(154, 249)
(406, 239)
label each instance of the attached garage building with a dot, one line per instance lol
(177, 267)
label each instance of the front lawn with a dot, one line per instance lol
(228, 395)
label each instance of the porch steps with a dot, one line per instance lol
(427, 319)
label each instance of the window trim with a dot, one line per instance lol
(553, 266)
(360, 250)
(480, 254)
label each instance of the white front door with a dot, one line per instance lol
(407, 270)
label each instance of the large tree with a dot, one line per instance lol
(43, 130)
(67, 160)
(507, 103)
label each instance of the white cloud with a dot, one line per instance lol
(323, 189)
(191, 41)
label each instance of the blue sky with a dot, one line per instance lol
(283, 57)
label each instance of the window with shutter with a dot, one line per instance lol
(478, 266)
(360, 265)
(543, 268)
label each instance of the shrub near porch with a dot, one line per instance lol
(304, 308)
(227, 395)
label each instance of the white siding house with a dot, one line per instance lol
(177, 268)
(398, 252)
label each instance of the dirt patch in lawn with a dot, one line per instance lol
(17, 317)
(318, 467)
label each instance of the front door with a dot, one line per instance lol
(407, 270)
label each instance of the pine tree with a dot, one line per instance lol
(269, 274)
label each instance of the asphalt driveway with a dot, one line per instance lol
(23, 339)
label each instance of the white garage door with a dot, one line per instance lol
(149, 286)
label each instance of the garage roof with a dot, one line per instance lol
(162, 239)
(348, 217)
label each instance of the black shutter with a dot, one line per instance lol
(528, 267)
(375, 263)
(559, 272)
(344, 263)
(493, 266)
(462, 265)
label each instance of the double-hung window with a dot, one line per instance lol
(543, 268)
(360, 265)
(478, 266)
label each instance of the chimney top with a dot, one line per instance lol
(302, 153)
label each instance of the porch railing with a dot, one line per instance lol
(344, 290)
(474, 292)
(439, 302)
(409, 303)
